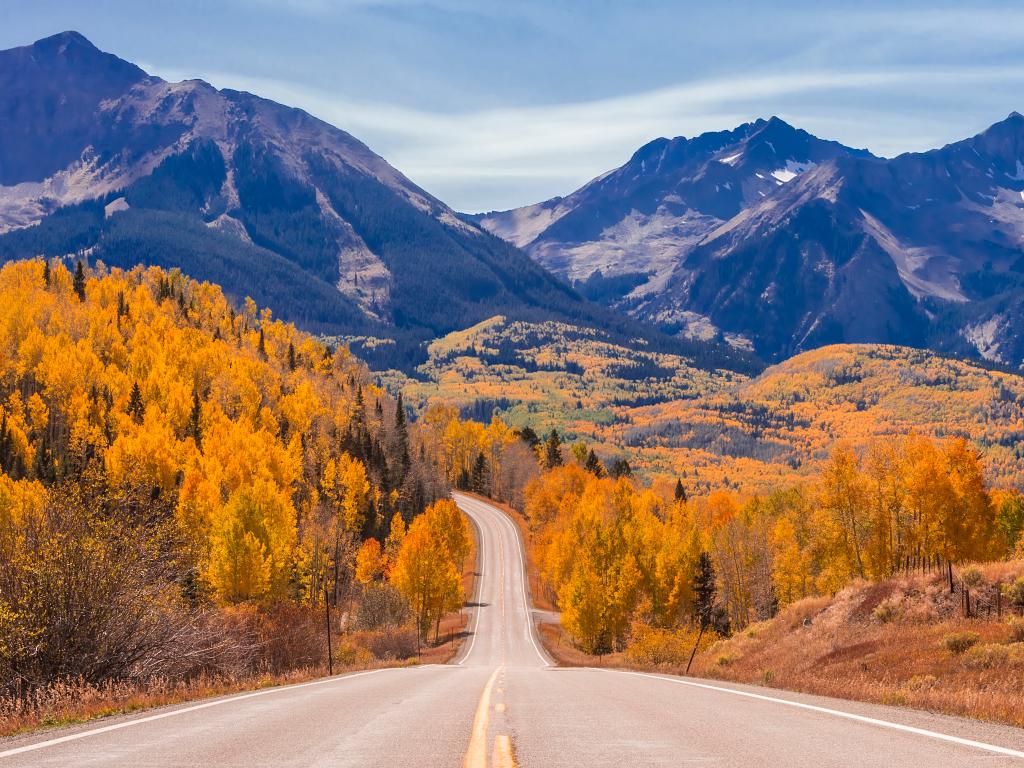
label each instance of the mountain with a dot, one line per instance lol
(636, 220)
(833, 245)
(100, 160)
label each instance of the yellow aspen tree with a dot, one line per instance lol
(370, 562)
(425, 574)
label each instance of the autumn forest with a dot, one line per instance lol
(189, 487)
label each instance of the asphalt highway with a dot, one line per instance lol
(501, 702)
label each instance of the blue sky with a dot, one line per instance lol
(498, 104)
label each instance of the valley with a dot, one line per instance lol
(748, 406)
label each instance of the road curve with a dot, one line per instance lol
(502, 703)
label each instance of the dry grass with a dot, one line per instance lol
(893, 642)
(882, 642)
(66, 703)
(75, 701)
(560, 647)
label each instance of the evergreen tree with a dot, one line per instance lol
(680, 491)
(194, 428)
(262, 345)
(46, 272)
(594, 465)
(79, 281)
(528, 436)
(5, 444)
(401, 433)
(704, 590)
(136, 407)
(291, 356)
(621, 468)
(479, 478)
(44, 467)
(553, 450)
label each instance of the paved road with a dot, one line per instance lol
(501, 703)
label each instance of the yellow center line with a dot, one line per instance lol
(503, 757)
(476, 755)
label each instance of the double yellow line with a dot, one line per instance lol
(476, 755)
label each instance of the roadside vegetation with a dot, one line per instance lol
(902, 641)
(895, 575)
(189, 495)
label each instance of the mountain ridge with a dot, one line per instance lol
(101, 161)
(929, 242)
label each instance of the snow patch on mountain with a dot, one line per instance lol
(791, 170)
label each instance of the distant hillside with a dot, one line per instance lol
(99, 160)
(783, 242)
(754, 433)
(719, 428)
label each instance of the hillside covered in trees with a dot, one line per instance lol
(183, 483)
(643, 569)
(716, 428)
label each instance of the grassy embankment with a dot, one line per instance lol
(74, 702)
(903, 641)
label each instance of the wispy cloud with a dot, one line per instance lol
(560, 146)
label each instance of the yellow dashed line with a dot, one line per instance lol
(503, 757)
(476, 755)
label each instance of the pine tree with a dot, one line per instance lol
(5, 444)
(553, 450)
(401, 433)
(680, 491)
(194, 428)
(291, 356)
(46, 272)
(43, 466)
(478, 481)
(621, 468)
(594, 465)
(79, 281)
(262, 345)
(704, 593)
(136, 407)
(704, 590)
(528, 436)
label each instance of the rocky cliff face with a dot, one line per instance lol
(783, 242)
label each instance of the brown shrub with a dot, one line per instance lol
(958, 643)
(391, 643)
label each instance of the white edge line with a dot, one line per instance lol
(193, 708)
(477, 591)
(825, 710)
